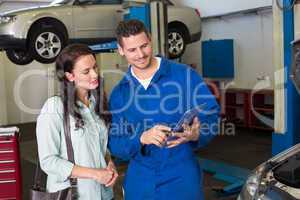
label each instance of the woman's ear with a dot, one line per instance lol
(69, 76)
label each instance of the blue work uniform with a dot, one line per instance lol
(156, 173)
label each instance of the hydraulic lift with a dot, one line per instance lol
(153, 13)
(286, 59)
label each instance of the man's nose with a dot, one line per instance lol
(141, 53)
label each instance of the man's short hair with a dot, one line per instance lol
(129, 28)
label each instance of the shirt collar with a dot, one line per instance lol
(92, 102)
(162, 71)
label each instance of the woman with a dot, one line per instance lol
(82, 95)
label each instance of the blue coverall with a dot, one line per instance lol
(156, 173)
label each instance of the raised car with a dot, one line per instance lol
(40, 33)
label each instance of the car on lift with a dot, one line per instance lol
(40, 33)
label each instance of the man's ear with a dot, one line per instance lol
(69, 76)
(120, 50)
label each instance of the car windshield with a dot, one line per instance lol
(60, 2)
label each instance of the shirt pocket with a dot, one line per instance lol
(76, 133)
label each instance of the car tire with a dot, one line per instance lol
(176, 42)
(19, 56)
(46, 43)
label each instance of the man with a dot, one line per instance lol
(145, 105)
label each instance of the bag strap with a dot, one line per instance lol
(70, 152)
(37, 176)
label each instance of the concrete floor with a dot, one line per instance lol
(247, 149)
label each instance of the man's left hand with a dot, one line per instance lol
(191, 133)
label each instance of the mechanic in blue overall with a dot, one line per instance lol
(145, 105)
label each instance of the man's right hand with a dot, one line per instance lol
(156, 135)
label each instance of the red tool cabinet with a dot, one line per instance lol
(10, 174)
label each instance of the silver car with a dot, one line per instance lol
(40, 33)
(276, 179)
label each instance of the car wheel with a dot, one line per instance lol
(19, 56)
(46, 43)
(177, 42)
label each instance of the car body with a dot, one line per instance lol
(41, 32)
(276, 179)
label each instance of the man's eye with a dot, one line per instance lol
(144, 46)
(85, 72)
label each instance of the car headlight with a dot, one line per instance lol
(254, 185)
(7, 19)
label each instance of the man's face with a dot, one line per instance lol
(137, 49)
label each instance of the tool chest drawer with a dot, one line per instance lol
(10, 175)
(6, 143)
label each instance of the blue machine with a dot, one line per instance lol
(141, 12)
(218, 59)
(147, 12)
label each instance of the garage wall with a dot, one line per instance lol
(217, 7)
(252, 34)
(26, 89)
(3, 111)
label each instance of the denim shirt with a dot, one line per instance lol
(89, 145)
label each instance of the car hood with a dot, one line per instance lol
(286, 167)
(30, 9)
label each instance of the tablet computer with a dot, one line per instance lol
(187, 117)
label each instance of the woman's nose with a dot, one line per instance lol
(94, 73)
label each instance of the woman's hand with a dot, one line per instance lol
(111, 166)
(103, 176)
(106, 176)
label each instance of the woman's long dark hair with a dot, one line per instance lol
(65, 63)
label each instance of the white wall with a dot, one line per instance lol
(3, 111)
(217, 7)
(26, 89)
(252, 35)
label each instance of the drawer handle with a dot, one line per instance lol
(6, 141)
(6, 161)
(8, 181)
(7, 151)
(7, 171)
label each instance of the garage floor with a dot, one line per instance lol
(246, 149)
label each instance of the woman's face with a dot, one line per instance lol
(85, 73)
